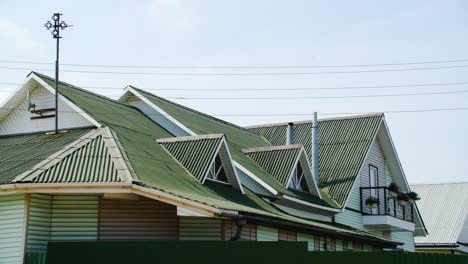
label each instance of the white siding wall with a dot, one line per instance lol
(19, 121)
(251, 184)
(40, 213)
(12, 215)
(405, 237)
(267, 233)
(159, 118)
(308, 238)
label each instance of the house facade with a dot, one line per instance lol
(444, 207)
(143, 168)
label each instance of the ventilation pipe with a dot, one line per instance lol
(315, 150)
(290, 134)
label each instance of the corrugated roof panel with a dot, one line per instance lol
(278, 162)
(343, 145)
(20, 153)
(90, 163)
(195, 154)
(444, 209)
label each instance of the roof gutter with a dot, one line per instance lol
(305, 228)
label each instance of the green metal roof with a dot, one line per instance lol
(343, 145)
(89, 163)
(20, 153)
(237, 137)
(278, 161)
(194, 153)
(155, 167)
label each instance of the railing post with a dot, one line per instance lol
(385, 201)
(360, 198)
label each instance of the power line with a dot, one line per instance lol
(238, 67)
(242, 74)
(302, 97)
(316, 97)
(272, 89)
(267, 115)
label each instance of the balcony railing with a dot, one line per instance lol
(387, 205)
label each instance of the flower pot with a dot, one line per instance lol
(373, 205)
(393, 194)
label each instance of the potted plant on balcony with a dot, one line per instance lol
(372, 202)
(403, 198)
(413, 197)
(393, 189)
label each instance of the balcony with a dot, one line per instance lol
(388, 213)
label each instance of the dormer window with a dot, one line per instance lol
(217, 172)
(298, 180)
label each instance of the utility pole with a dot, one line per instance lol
(56, 26)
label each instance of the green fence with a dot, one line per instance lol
(224, 252)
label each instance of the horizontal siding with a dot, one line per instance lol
(74, 217)
(144, 219)
(267, 233)
(158, 117)
(249, 232)
(200, 228)
(406, 237)
(39, 226)
(307, 238)
(11, 228)
(286, 235)
(350, 218)
(19, 121)
(251, 184)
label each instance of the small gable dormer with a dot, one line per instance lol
(287, 164)
(206, 157)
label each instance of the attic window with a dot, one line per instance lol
(216, 172)
(298, 180)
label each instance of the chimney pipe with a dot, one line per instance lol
(315, 149)
(290, 134)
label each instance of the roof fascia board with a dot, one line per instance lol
(65, 100)
(118, 156)
(287, 197)
(387, 131)
(155, 107)
(255, 178)
(362, 166)
(174, 200)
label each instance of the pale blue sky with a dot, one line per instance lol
(432, 146)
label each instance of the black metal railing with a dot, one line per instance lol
(387, 203)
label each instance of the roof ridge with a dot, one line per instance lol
(193, 110)
(189, 138)
(320, 120)
(272, 148)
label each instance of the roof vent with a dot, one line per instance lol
(290, 134)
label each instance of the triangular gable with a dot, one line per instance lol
(343, 145)
(96, 157)
(31, 108)
(396, 170)
(197, 154)
(281, 163)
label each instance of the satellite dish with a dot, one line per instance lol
(28, 99)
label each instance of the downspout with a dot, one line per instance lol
(315, 150)
(239, 224)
